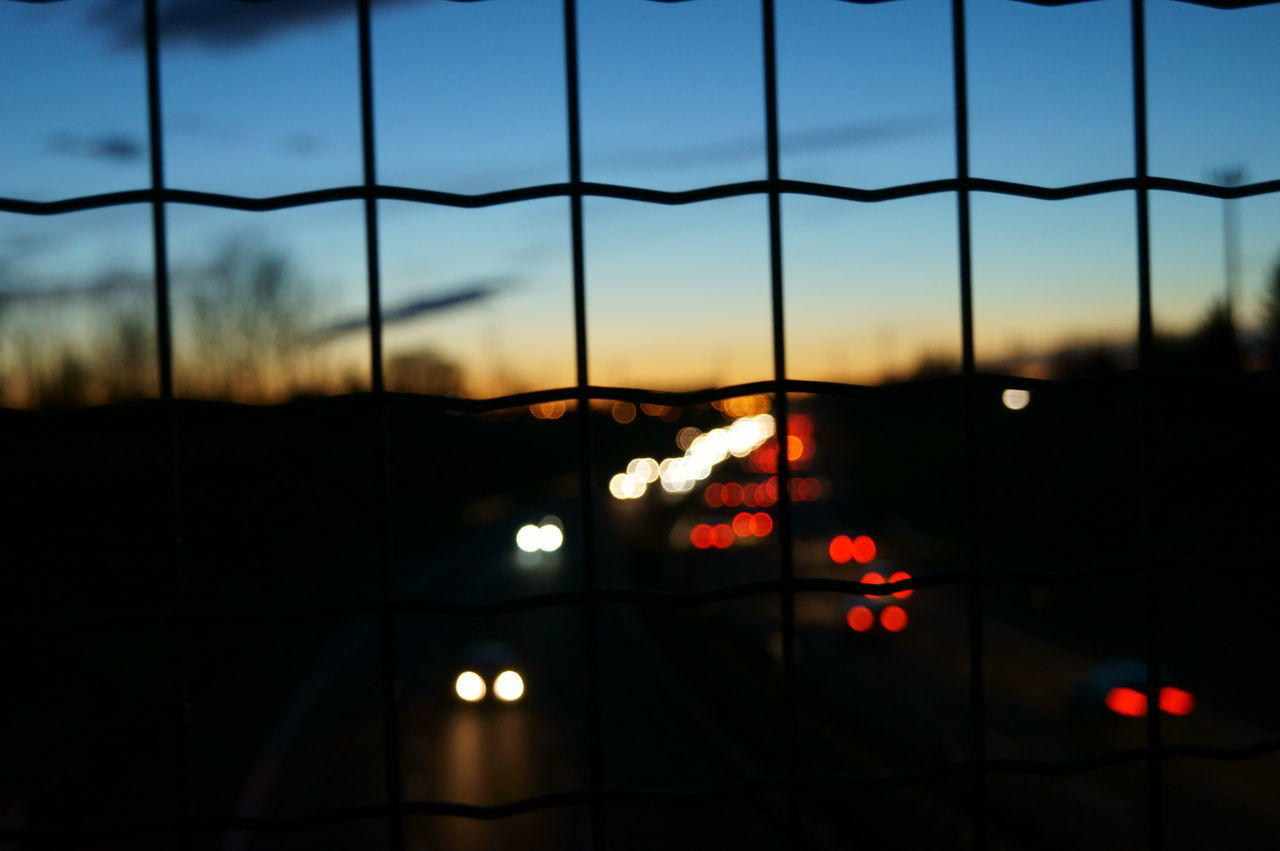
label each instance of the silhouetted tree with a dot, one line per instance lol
(1271, 319)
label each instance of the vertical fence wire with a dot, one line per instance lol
(973, 494)
(382, 468)
(1151, 578)
(180, 627)
(586, 484)
(786, 565)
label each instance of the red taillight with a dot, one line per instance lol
(1175, 701)
(893, 618)
(722, 536)
(1127, 701)
(873, 578)
(841, 549)
(742, 524)
(898, 577)
(860, 619)
(700, 536)
(761, 524)
(864, 549)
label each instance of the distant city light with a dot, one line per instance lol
(1015, 399)
(547, 410)
(860, 619)
(469, 686)
(685, 436)
(508, 686)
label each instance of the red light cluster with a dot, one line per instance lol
(861, 618)
(1133, 703)
(720, 536)
(753, 495)
(800, 447)
(844, 549)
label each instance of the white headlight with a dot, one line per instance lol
(469, 686)
(508, 686)
(529, 538)
(549, 538)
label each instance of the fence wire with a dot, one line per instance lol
(182, 614)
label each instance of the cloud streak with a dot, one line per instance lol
(470, 293)
(114, 147)
(221, 25)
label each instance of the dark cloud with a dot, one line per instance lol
(106, 285)
(469, 293)
(834, 137)
(222, 24)
(105, 146)
(304, 144)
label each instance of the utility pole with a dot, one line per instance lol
(1230, 176)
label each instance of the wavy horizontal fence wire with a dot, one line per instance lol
(183, 614)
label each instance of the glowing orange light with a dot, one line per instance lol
(864, 549)
(1127, 701)
(898, 576)
(1175, 701)
(761, 524)
(799, 490)
(795, 448)
(841, 549)
(722, 536)
(733, 494)
(742, 524)
(547, 410)
(652, 409)
(623, 412)
(700, 536)
(893, 618)
(860, 619)
(873, 578)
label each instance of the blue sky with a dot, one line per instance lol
(469, 98)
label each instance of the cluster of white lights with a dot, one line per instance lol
(679, 475)
(548, 537)
(507, 686)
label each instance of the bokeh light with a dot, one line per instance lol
(893, 618)
(550, 537)
(722, 536)
(860, 619)
(863, 549)
(1126, 701)
(508, 686)
(873, 578)
(623, 412)
(761, 524)
(742, 524)
(1015, 399)
(1176, 701)
(469, 686)
(898, 576)
(841, 549)
(529, 538)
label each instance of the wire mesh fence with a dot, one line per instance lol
(1156, 575)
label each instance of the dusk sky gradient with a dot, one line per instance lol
(262, 99)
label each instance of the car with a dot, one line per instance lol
(1118, 687)
(491, 671)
